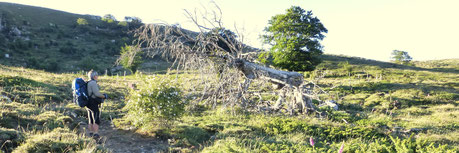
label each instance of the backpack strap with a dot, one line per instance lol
(90, 94)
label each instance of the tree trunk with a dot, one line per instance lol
(253, 71)
(292, 80)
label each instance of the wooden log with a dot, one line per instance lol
(254, 71)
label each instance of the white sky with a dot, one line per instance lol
(426, 29)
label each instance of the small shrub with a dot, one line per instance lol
(158, 99)
(82, 22)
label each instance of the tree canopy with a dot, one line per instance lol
(109, 18)
(401, 57)
(295, 37)
(130, 57)
(81, 21)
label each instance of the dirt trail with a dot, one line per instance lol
(123, 141)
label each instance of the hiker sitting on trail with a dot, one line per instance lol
(94, 102)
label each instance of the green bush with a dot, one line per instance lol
(158, 99)
(82, 22)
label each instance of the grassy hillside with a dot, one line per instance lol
(424, 118)
(42, 38)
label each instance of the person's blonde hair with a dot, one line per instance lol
(92, 74)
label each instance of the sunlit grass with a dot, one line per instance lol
(428, 102)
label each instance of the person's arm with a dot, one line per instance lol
(95, 89)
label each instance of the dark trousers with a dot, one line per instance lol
(93, 110)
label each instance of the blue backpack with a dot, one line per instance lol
(80, 92)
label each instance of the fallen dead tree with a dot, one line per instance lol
(215, 51)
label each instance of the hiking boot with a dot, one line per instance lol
(96, 136)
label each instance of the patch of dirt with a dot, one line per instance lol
(124, 141)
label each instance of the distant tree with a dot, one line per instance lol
(133, 19)
(82, 22)
(346, 67)
(123, 24)
(133, 22)
(109, 18)
(131, 58)
(295, 37)
(401, 57)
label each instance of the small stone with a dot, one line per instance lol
(2, 97)
(74, 115)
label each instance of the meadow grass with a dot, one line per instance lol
(424, 119)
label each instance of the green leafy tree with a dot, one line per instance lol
(109, 18)
(82, 22)
(131, 58)
(401, 57)
(295, 37)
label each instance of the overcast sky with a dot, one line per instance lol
(426, 29)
